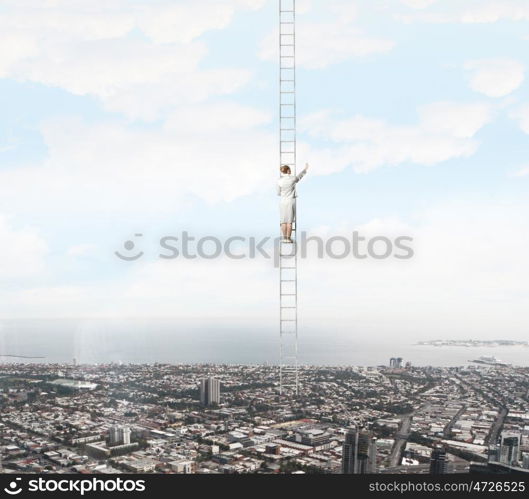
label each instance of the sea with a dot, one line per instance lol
(147, 341)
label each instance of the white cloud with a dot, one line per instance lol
(444, 132)
(495, 11)
(522, 116)
(22, 251)
(521, 172)
(94, 49)
(322, 43)
(81, 250)
(114, 167)
(480, 247)
(418, 4)
(495, 77)
(216, 117)
(457, 119)
(467, 12)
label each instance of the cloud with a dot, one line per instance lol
(444, 132)
(522, 116)
(321, 43)
(216, 117)
(495, 77)
(522, 172)
(479, 246)
(22, 251)
(457, 119)
(418, 4)
(94, 49)
(81, 250)
(468, 12)
(120, 169)
(495, 11)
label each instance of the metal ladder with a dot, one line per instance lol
(288, 290)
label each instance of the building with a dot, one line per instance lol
(209, 391)
(438, 461)
(359, 452)
(313, 437)
(274, 449)
(509, 451)
(395, 362)
(182, 467)
(119, 435)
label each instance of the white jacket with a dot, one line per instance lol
(286, 185)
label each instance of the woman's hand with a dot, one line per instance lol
(306, 166)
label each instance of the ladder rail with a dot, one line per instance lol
(288, 299)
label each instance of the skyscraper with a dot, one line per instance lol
(395, 362)
(510, 448)
(119, 435)
(209, 391)
(359, 452)
(114, 435)
(438, 462)
(125, 435)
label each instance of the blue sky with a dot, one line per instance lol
(159, 116)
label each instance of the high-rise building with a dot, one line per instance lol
(209, 391)
(114, 435)
(119, 435)
(438, 461)
(510, 448)
(359, 453)
(125, 435)
(395, 362)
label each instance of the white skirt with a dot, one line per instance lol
(287, 210)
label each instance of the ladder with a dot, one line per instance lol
(288, 285)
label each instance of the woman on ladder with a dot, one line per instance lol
(286, 188)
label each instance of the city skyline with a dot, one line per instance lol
(68, 418)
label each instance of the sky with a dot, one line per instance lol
(155, 117)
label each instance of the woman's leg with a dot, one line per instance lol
(284, 230)
(288, 233)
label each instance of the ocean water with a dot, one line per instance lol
(192, 341)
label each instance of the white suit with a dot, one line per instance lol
(286, 188)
